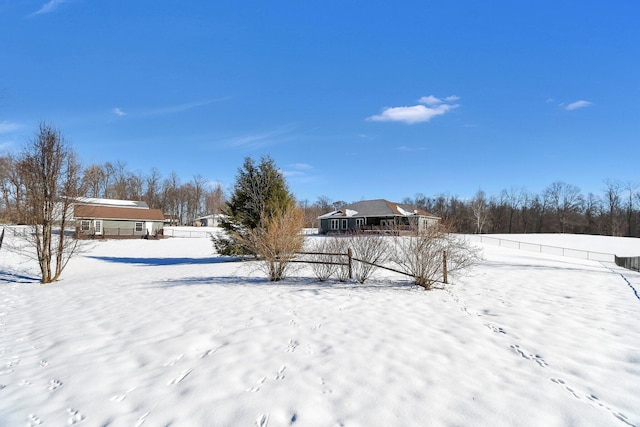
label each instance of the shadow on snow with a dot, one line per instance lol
(7, 277)
(164, 261)
(303, 284)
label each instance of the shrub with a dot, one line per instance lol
(275, 240)
(421, 255)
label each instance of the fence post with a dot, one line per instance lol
(1, 237)
(350, 256)
(444, 267)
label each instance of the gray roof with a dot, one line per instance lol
(379, 208)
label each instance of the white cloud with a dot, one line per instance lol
(430, 107)
(50, 6)
(261, 139)
(430, 100)
(301, 166)
(578, 104)
(182, 107)
(410, 115)
(119, 112)
(6, 127)
(409, 149)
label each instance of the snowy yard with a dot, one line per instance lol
(163, 333)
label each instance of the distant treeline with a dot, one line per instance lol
(560, 208)
(182, 201)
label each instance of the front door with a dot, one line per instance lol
(97, 226)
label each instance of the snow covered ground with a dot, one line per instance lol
(163, 333)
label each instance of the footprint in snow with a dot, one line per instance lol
(257, 386)
(54, 385)
(291, 347)
(263, 420)
(75, 416)
(280, 373)
(184, 374)
(121, 397)
(207, 353)
(174, 361)
(34, 420)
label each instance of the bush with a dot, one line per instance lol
(370, 248)
(421, 255)
(322, 265)
(275, 241)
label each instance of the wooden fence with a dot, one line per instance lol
(350, 259)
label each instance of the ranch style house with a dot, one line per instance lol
(376, 216)
(107, 218)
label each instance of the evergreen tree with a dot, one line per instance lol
(260, 192)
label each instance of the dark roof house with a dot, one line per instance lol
(376, 216)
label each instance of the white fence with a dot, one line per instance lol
(544, 249)
(197, 233)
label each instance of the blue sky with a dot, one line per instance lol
(352, 99)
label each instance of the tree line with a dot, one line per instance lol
(181, 201)
(559, 208)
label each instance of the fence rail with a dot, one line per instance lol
(170, 232)
(545, 249)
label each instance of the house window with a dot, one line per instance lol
(85, 225)
(97, 225)
(344, 224)
(335, 223)
(359, 222)
(138, 226)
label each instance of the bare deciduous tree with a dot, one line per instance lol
(51, 175)
(566, 201)
(479, 209)
(612, 197)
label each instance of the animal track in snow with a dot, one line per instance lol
(54, 385)
(262, 420)
(291, 347)
(536, 358)
(44, 363)
(325, 390)
(34, 420)
(318, 326)
(180, 377)
(208, 352)
(121, 397)
(594, 399)
(495, 329)
(257, 386)
(174, 361)
(142, 419)
(75, 416)
(280, 373)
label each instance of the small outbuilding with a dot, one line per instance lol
(376, 216)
